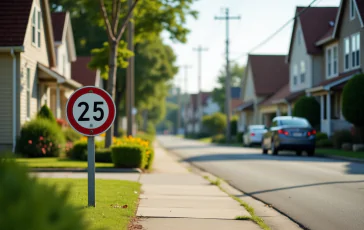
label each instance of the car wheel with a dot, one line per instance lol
(298, 152)
(274, 149)
(265, 151)
(311, 152)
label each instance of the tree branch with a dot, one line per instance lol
(115, 21)
(110, 33)
(126, 20)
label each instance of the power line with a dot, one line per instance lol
(276, 32)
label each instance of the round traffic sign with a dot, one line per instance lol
(90, 111)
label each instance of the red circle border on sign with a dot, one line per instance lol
(110, 104)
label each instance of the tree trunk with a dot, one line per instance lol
(111, 85)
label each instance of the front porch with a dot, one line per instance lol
(54, 90)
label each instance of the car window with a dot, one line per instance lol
(257, 127)
(295, 122)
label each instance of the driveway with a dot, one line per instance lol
(319, 193)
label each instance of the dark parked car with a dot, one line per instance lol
(290, 133)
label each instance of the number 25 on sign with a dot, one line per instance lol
(90, 111)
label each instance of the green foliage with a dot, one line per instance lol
(324, 143)
(234, 125)
(128, 156)
(27, 204)
(78, 151)
(309, 108)
(321, 136)
(353, 102)
(40, 138)
(46, 113)
(150, 158)
(71, 135)
(103, 155)
(239, 137)
(219, 139)
(215, 123)
(218, 94)
(340, 137)
(146, 137)
(122, 133)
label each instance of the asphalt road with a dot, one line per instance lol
(319, 193)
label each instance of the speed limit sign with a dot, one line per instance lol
(90, 111)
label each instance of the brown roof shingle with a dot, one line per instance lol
(81, 73)
(280, 94)
(58, 20)
(270, 73)
(360, 4)
(14, 16)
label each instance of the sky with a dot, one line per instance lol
(258, 20)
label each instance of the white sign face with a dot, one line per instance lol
(90, 111)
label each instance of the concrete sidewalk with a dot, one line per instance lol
(173, 198)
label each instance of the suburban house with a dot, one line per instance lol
(83, 74)
(342, 46)
(192, 118)
(31, 64)
(235, 98)
(264, 75)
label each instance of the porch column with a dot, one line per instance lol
(322, 111)
(289, 106)
(278, 111)
(328, 113)
(58, 102)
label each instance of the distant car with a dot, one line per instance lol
(254, 134)
(290, 133)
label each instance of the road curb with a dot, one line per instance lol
(275, 219)
(74, 170)
(340, 158)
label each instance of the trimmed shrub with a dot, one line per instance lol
(121, 133)
(145, 136)
(71, 135)
(78, 151)
(219, 138)
(234, 126)
(40, 138)
(128, 156)
(27, 204)
(102, 155)
(215, 123)
(324, 143)
(321, 136)
(340, 137)
(239, 137)
(150, 158)
(353, 103)
(46, 113)
(309, 108)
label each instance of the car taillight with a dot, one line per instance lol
(252, 134)
(282, 131)
(312, 132)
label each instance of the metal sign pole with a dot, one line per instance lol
(91, 170)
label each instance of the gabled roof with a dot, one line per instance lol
(279, 95)
(270, 73)
(58, 22)
(81, 73)
(359, 6)
(315, 23)
(193, 99)
(14, 16)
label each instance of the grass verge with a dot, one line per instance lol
(340, 153)
(259, 221)
(55, 162)
(116, 201)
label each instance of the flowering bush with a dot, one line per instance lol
(40, 138)
(62, 123)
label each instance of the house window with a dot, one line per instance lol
(36, 22)
(28, 93)
(352, 9)
(346, 53)
(295, 73)
(331, 61)
(355, 50)
(303, 71)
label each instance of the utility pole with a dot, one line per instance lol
(227, 18)
(178, 88)
(186, 67)
(199, 50)
(130, 77)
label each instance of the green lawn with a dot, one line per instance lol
(54, 162)
(341, 153)
(116, 201)
(206, 140)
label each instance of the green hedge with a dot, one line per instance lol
(219, 138)
(128, 156)
(71, 135)
(321, 136)
(79, 152)
(340, 137)
(150, 158)
(27, 204)
(103, 155)
(40, 138)
(324, 143)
